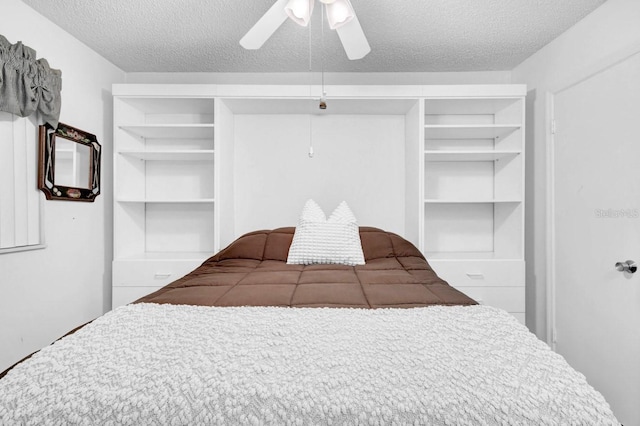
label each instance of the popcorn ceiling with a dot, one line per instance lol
(405, 36)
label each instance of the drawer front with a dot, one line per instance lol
(124, 295)
(470, 273)
(150, 273)
(511, 299)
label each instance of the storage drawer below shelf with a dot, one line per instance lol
(133, 279)
(150, 273)
(124, 295)
(511, 299)
(481, 273)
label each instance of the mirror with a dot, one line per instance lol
(72, 160)
(69, 163)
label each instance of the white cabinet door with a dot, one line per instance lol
(597, 223)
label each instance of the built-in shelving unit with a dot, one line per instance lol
(473, 194)
(165, 172)
(174, 199)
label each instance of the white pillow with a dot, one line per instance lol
(318, 240)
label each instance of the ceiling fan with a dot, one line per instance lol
(340, 15)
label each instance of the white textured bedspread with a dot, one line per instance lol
(152, 364)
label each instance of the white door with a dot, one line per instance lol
(597, 223)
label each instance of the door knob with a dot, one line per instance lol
(628, 266)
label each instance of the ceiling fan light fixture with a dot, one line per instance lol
(299, 11)
(339, 13)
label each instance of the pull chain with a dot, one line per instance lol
(323, 97)
(310, 95)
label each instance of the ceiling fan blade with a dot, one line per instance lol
(353, 39)
(265, 27)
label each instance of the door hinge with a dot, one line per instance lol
(553, 126)
(554, 336)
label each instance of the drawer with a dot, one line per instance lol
(511, 299)
(123, 295)
(150, 273)
(469, 273)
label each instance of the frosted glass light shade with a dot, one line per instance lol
(300, 11)
(339, 13)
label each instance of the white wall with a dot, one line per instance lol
(357, 158)
(45, 293)
(603, 37)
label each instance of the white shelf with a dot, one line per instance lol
(471, 131)
(442, 155)
(193, 255)
(481, 201)
(171, 131)
(468, 105)
(181, 105)
(167, 201)
(171, 155)
(466, 255)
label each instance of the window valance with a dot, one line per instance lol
(27, 84)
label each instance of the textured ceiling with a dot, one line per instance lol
(405, 35)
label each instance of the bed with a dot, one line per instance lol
(247, 338)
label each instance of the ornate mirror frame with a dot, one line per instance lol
(47, 163)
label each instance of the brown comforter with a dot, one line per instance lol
(253, 271)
